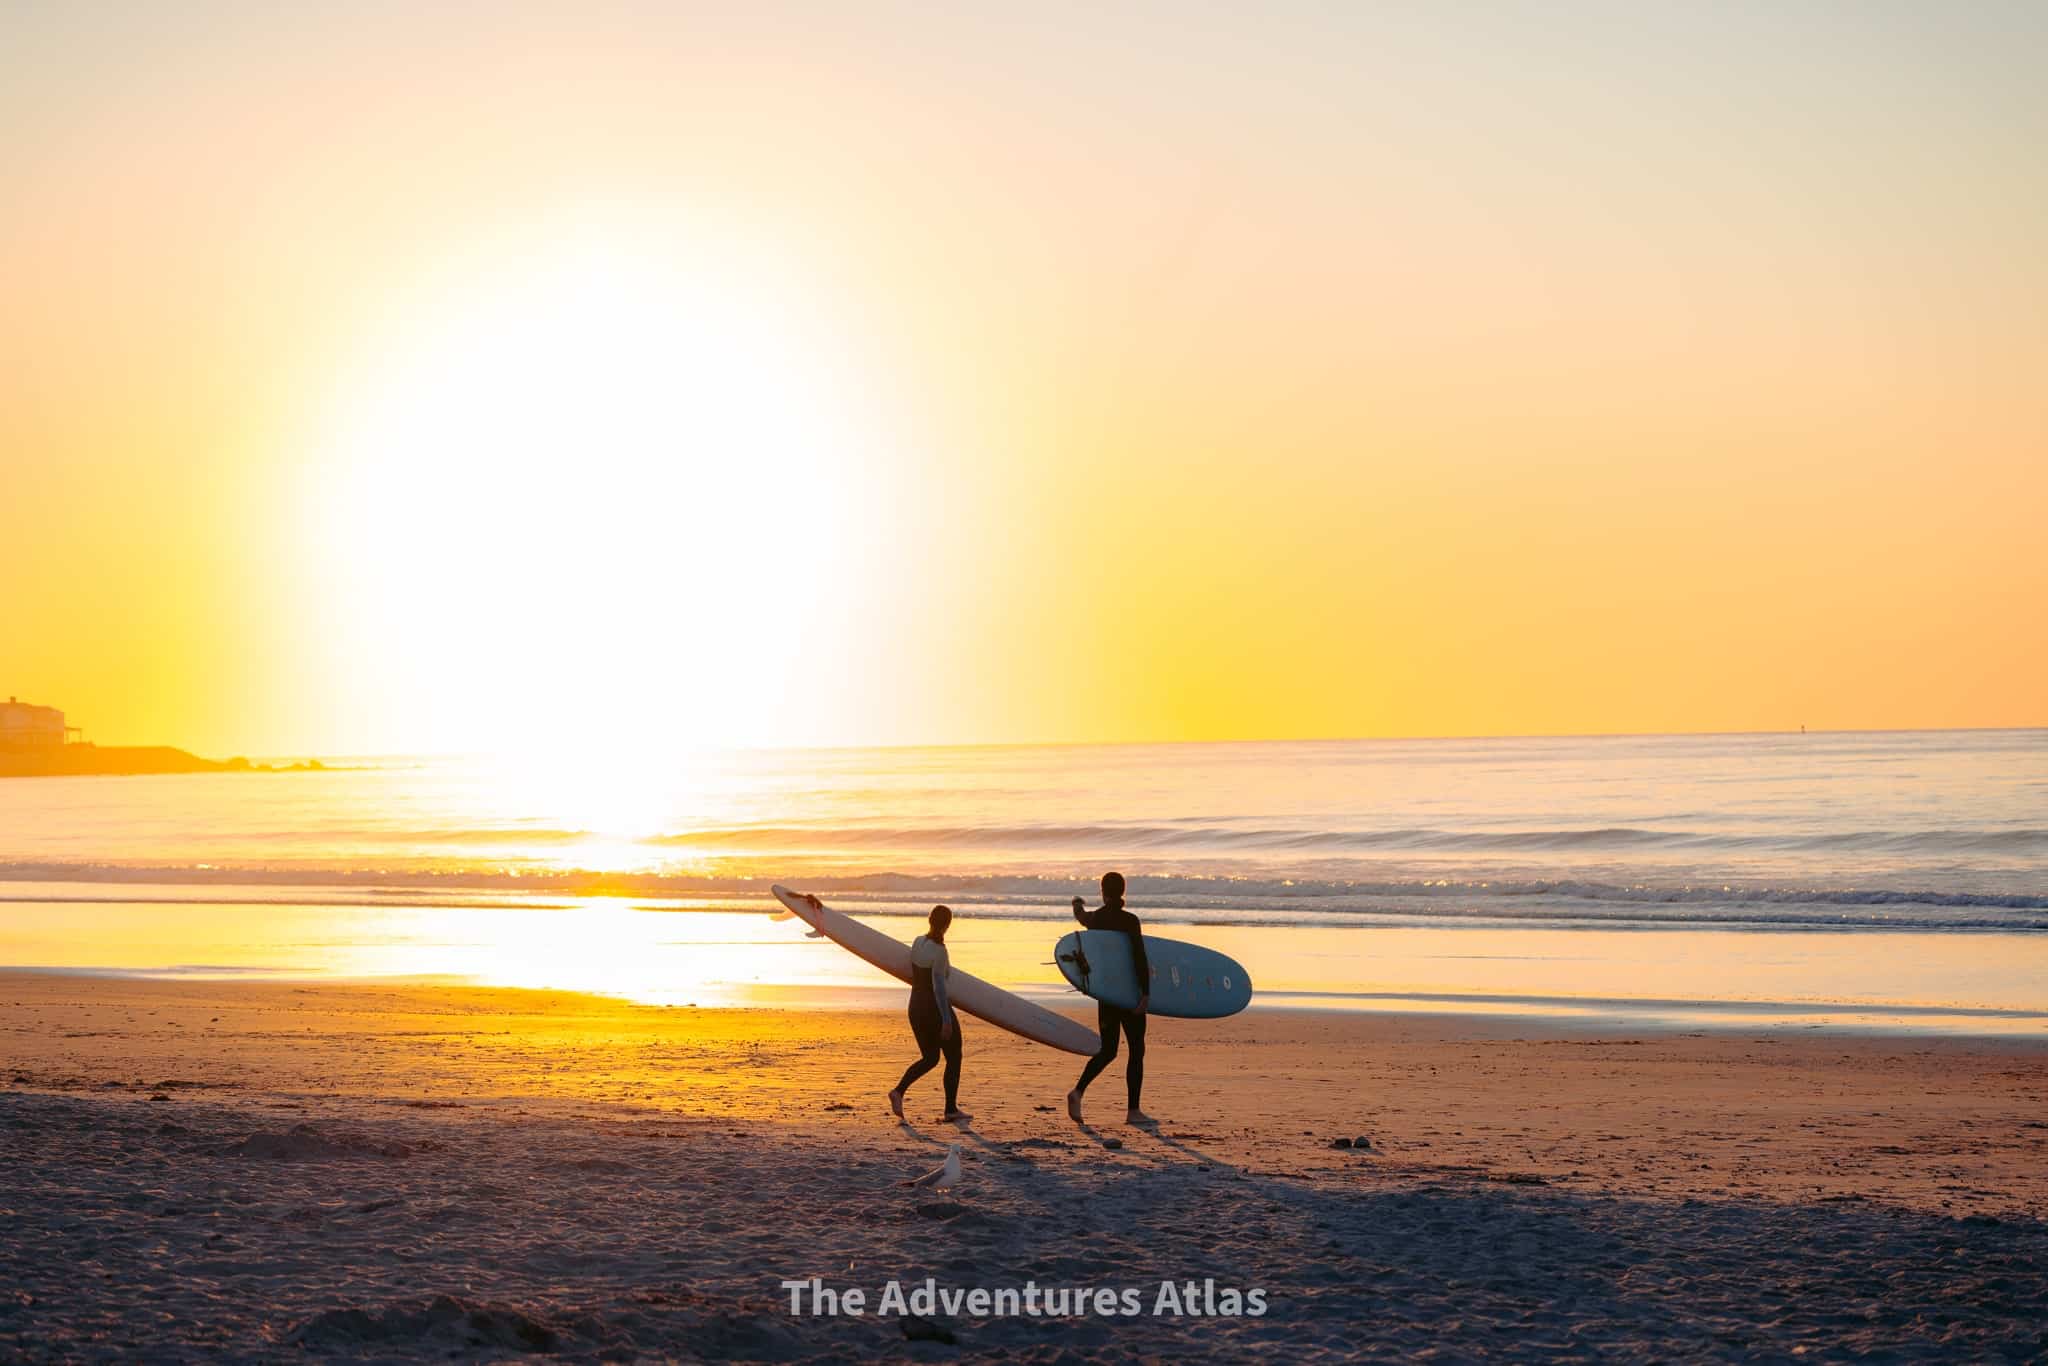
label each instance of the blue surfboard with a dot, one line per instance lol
(1188, 981)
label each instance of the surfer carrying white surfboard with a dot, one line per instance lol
(932, 1018)
(1112, 1020)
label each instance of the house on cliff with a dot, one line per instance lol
(24, 726)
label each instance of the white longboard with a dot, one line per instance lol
(967, 992)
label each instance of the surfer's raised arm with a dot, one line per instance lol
(1081, 912)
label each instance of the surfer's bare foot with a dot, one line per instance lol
(1074, 1106)
(896, 1103)
(957, 1116)
(1140, 1118)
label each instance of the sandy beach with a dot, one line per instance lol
(198, 1169)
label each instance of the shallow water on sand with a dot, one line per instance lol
(1987, 983)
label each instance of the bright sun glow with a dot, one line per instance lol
(589, 496)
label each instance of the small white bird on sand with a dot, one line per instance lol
(947, 1173)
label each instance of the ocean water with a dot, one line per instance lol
(1287, 852)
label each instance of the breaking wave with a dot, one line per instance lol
(1167, 898)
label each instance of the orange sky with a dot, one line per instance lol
(385, 381)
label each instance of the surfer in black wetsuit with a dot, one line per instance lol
(1112, 1019)
(932, 1018)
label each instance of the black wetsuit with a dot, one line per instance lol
(927, 1022)
(1112, 1020)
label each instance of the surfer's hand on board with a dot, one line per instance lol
(1144, 1003)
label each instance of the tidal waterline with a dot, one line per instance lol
(695, 953)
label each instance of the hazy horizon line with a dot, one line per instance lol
(1154, 744)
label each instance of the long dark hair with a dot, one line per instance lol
(941, 917)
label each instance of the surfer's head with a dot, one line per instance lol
(1112, 889)
(942, 916)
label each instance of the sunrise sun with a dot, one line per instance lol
(584, 478)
